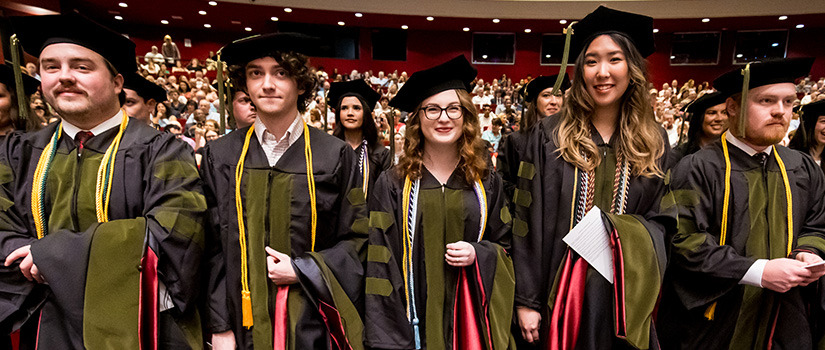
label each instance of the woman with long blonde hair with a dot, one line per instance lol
(438, 274)
(600, 162)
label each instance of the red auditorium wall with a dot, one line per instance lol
(427, 48)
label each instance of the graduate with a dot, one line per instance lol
(603, 149)
(708, 121)
(141, 98)
(11, 113)
(751, 221)
(352, 101)
(287, 217)
(810, 136)
(102, 215)
(539, 102)
(438, 274)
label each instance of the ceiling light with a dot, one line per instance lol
(248, 29)
(496, 20)
(404, 26)
(705, 20)
(430, 18)
(213, 3)
(775, 45)
(739, 55)
(359, 14)
(119, 18)
(672, 57)
(564, 21)
(274, 19)
(655, 30)
(546, 56)
(201, 12)
(123, 4)
(341, 23)
(163, 21)
(288, 10)
(484, 57)
(207, 25)
(528, 30)
(466, 29)
(782, 18)
(800, 26)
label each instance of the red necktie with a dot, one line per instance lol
(81, 137)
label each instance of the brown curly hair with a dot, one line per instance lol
(296, 67)
(471, 146)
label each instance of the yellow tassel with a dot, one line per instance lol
(246, 301)
(709, 313)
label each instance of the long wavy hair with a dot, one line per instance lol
(368, 129)
(470, 145)
(639, 137)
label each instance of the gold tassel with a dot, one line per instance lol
(710, 312)
(246, 301)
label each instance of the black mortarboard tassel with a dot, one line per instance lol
(456, 73)
(144, 88)
(38, 32)
(360, 88)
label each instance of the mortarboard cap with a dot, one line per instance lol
(360, 88)
(638, 28)
(30, 84)
(456, 73)
(758, 74)
(144, 88)
(764, 73)
(699, 105)
(37, 32)
(536, 86)
(811, 112)
(242, 51)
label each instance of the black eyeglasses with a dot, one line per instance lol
(433, 112)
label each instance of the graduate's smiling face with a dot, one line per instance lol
(819, 130)
(77, 82)
(271, 88)
(351, 112)
(605, 72)
(437, 125)
(548, 104)
(716, 121)
(769, 111)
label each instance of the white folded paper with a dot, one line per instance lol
(590, 240)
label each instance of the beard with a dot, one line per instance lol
(768, 135)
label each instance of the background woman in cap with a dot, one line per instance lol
(708, 121)
(354, 124)
(438, 276)
(604, 150)
(810, 137)
(10, 111)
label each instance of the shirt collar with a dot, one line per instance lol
(71, 130)
(295, 130)
(744, 147)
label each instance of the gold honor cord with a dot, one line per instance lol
(568, 32)
(23, 113)
(246, 295)
(711, 310)
(407, 254)
(103, 183)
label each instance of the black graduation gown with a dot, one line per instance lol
(277, 214)
(380, 160)
(93, 292)
(703, 272)
(544, 204)
(510, 153)
(445, 214)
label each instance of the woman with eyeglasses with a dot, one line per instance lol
(438, 275)
(600, 163)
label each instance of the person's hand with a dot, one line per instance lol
(460, 254)
(279, 267)
(223, 341)
(27, 266)
(529, 321)
(816, 272)
(780, 275)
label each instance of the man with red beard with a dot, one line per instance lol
(751, 233)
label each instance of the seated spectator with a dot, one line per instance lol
(211, 64)
(150, 67)
(493, 135)
(485, 118)
(154, 55)
(195, 66)
(178, 68)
